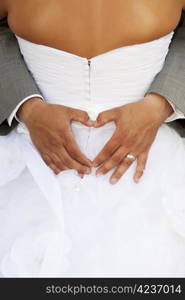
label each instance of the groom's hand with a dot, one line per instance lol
(137, 124)
(49, 126)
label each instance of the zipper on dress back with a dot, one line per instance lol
(89, 129)
(89, 64)
(89, 61)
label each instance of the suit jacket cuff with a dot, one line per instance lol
(13, 114)
(178, 114)
(170, 88)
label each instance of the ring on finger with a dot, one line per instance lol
(130, 157)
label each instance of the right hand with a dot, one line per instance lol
(49, 126)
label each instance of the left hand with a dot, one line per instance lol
(137, 124)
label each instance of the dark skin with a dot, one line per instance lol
(89, 28)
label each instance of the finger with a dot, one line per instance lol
(74, 151)
(46, 158)
(141, 164)
(69, 162)
(111, 146)
(82, 117)
(51, 163)
(54, 168)
(121, 169)
(104, 117)
(81, 175)
(58, 162)
(65, 168)
(112, 162)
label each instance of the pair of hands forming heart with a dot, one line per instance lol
(137, 124)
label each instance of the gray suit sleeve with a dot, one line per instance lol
(170, 82)
(16, 82)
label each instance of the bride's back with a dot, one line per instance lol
(89, 28)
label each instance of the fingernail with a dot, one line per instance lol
(81, 175)
(99, 174)
(57, 172)
(95, 164)
(136, 180)
(113, 180)
(88, 171)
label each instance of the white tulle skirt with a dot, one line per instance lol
(66, 226)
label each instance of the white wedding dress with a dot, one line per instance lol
(66, 226)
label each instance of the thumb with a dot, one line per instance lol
(83, 117)
(103, 118)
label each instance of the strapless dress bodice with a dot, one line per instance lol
(105, 81)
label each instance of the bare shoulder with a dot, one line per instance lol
(183, 4)
(3, 8)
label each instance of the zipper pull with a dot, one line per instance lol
(89, 62)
